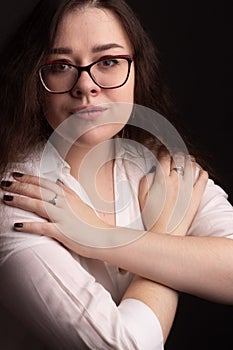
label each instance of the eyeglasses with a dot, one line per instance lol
(110, 72)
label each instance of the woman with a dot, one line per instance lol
(55, 288)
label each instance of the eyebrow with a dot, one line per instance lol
(104, 47)
(95, 49)
(60, 50)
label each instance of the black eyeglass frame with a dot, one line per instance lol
(80, 69)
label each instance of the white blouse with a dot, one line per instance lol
(74, 303)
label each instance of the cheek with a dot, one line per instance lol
(126, 92)
(52, 110)
(130, 85)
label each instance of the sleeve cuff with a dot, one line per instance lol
(143, 324)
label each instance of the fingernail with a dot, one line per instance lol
(6, 183)
(18, 225)
(59, 181)
(193, 159)
(7, 198)
(153, 169)
(17, 174)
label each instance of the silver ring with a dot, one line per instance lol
(54, 200)
(179, 170)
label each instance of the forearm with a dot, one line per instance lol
(161, 299)
(65, 307)
(201, 266)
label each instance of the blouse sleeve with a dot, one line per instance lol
(42, 283)
(215, 214)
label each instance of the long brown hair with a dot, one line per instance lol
(23, 125)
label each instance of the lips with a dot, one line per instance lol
(89, 113)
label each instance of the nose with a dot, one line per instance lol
(85, 86)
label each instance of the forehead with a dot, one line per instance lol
(91, 26)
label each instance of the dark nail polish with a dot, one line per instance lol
(153, 169)
(6, 183)
(7, 198)
(16, 174)
(18, 225)
(60, 181)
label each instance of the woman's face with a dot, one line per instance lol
(85, 36)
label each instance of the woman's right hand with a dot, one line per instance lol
(168, 199)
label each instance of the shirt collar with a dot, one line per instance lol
(125, 149)
(51, 161)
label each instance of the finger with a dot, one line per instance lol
(184, 165)
(41, 228)
(64, 188)
(38, 181)
(198, 191)
(154, 184)
(177, 162)
(200, 184)
(157, 172)
(144, 187)
(164, 163)
(33, 205)
(28, 190)
(182, 180)
(189, 168)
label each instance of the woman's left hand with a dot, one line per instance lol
(169, 199)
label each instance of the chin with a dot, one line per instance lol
(99, 135)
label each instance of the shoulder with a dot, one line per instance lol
(215, 213)
(29, 164)
(43, 161)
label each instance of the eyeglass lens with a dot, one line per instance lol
(61, 76)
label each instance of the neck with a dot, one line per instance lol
(92, 166)
(86, 159)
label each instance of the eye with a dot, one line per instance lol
(110, 62)
(60, 67)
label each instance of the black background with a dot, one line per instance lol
(195, 42)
